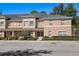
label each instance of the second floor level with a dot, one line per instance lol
(34, 21)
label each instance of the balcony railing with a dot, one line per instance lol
(40, 27)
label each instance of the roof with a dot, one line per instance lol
(19, 17)
(21, 29)
(14, 17)
(49, 17)
(2, 17)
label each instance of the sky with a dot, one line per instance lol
(25, 8)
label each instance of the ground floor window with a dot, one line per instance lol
(50, 33)
(62, 33)
(38, 34)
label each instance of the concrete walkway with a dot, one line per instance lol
(56, 47)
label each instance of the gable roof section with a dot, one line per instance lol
(2, 17)
(19, 17)
(56, 17)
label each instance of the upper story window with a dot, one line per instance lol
(50, 22)
(62, 22)
(31, 23)
(25, 23)
(20, 23)
(9, 24)
(1, 23)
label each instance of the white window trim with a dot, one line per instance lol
(50, 22)
(62, 22)
(63, 33)
(49, 33)
(2, 23)
(25, 23)
(31, 24)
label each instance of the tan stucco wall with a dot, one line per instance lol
(55, 30)
(15, 25)
(33, 34)
(56, 23)
(29, 19)
(1, 34)
(40, 24)
(4, 24)
(56, 27)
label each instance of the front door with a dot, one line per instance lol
(38, 34)
(8, 34)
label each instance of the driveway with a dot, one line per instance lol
(57, 48)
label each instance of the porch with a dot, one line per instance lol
(23, 33)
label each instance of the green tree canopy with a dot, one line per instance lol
(70, 10)
(76, 21)
(58, 10)
(34, 12)
(61, 8)
(43, 12)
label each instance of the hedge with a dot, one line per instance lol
(29, 38)
(61, 38)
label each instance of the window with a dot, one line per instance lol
(25, 23)
(1, 23)
(50, 22)
(31, 23)
(62, 22)
(50, 33)
(20, 23)
(62, 33)
(9, 24)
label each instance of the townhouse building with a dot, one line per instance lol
(38, 25)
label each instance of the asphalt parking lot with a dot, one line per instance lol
(57, 48)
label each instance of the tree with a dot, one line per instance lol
(56, 10)
(61, 8)
(76, 21)
(51, 13)
(70, 10)
(34, 12)
(43, 12)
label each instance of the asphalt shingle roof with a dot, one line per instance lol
(56, 17)
(17, 17)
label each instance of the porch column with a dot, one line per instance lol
(12, 34)
(3, 34)
(33, 34)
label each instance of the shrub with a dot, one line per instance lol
(47, 38)
(64, 37)
(26, 37)
(29, 38)
(21, 38)
(1, 38)
(14, 38)
(61, 38)
(76, 37)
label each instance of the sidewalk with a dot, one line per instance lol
(57, 47)
(37, 41)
